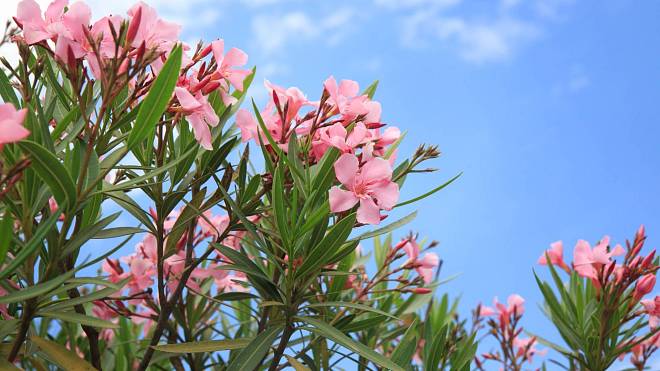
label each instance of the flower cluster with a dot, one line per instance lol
(122, 49)
(343, 119)
(514, 350)
(142, 269)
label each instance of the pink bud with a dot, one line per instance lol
(205, 51)
(421, 290)
(210, 87)
(648, 260)
(134, 26)
(644, 286)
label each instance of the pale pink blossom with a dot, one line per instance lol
(527, 347)
(11, 124)
(514, 306)
(586, 261)
(556, 255)
(427, 265)
(199, 114)
(371, 185)
(65, 28)
(652, 307)
(337, 136)
(226, 68)
(153, 31)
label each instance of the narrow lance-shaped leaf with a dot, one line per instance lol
(204, 346)
(253, 353)
(157, 99)
(327, 331)
(52, 172)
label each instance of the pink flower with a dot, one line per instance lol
(292, 98)
(371, 186)
(652, 308)
(336, 136)
(213, 225)
(527, 348)
(65, 28)
(556, 254)
(515, 306)
(644, 286)
(427, 265)
(586, 261)
(234, 58)
(11, 124)
(153, 31)
(199, 113)
(346, 99)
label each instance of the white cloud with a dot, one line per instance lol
(479, 41)
(272, 32)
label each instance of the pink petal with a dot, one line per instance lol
(187, 100)
(376, 169)
(235, 57)
(247, 124)
(201, 131)
(218, 47)
(387, 194)
(29, 11)
(341, 200)
(346, 168)
(368, 212)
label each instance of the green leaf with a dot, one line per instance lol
(62, 356)
(34, 291)
(204, 346)
(117, 232)
(157, 99)
(404, 352)
(7, 233)
(363, 307)
(7, 90)
(52, 172)
(279, 207)
(388, 228)
(370, 91)
(250, 357)
(28, 249)
(78, 318)
(434, 190)
(328, 246)
(95, 295)
(296, 364)
(329, 332)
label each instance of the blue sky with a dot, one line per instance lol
(549, 107)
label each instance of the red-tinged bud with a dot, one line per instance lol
(421, 290)
(210, 87)
(644, 286)
(205, 51)
(400, 245)
(201, 71)
(276, 99)
(648, 260)
(140, 51)
(610, 269)
(71, 59)
(153, 213)
(374, 125)
(134, 26)
(123, 67)
(641, 232)
(18, 23)
(200, 85)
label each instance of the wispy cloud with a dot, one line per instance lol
(272, 32)
(488, 33)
